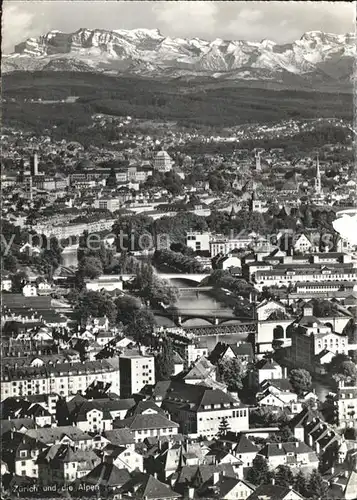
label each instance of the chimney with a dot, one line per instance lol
(215, 477)
(191, 492)
(296, 444)
(280, 446)
(317, 446)
(273, 481)
(332, 470)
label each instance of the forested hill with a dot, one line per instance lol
(140, 98)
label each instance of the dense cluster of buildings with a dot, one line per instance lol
(83, 409)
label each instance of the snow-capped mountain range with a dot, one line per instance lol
(148, 53)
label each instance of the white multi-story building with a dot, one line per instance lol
(163, 162)
(310, 338)
(346, 402)
(319, 274)
(199, 410)
(68, 230)
(198, 241)
(106, 282)
(136, 371)
(62, 378)
(108, 203)
(227, 245)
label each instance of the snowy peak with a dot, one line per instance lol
(122, 50)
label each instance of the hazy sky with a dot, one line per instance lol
(278, 21)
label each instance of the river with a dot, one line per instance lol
(195, 302)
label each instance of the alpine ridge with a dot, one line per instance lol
(316, 56)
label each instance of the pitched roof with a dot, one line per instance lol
(200, 369)
(196, 396)
(16, 424)
(143, 406)
(271, 492)
(244, 444)
(267, 364)
(120, 437)
(52, 434)
(276, 449)
(105, 405)
(206, 471)
(152, 488)
(223, 487)
(106, 474)
(146, 421)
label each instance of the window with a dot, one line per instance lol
(23, 453)
(23, 464)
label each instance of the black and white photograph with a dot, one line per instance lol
(178, 250)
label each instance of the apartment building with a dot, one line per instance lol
(70, 230)
(105, 282)
(136, 371)
(297, 269)
(227, 245)
(199, 409)
(294, 454)
(198, 241)
(346, 403)
(163, 162)
(62, 378)
(62, 464)
(310, 338)
(28, 446)
(107, 203)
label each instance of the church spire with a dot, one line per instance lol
(318, 176)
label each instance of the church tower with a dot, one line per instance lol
(318, 177)
(258, 165)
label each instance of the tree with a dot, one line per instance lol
(90, 267)
(127, 306)
(343, 368)
(300, 381)
(19, 280)
(73, 296)
(164, 361)
(284, 476)
(223, 428)
(10, 263)
(162, 292)
(324, 309)
(231, 372)
(96, 305)
(111, 181)
(266, 417)
(259, 472)
(141, 327)
(62, 413)
(284, 436)
(182, 248)
(317, 486)
(300, 483)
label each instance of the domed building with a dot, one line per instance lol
(163, 162)
(84, 165)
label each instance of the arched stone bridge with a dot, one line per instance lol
(213, 317)
(189, 277)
